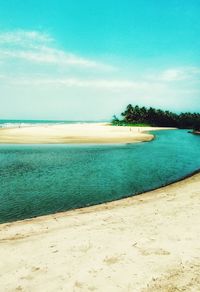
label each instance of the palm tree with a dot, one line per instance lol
(158, 117)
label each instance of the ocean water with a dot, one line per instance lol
(27, 123)
(43, 179)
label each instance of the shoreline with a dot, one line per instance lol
(99, 206)
(64, 213)
(146, 243)
(91, 133)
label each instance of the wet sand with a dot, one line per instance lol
(146, 243)
(75, 133)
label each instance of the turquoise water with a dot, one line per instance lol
(11, 123)
(42, 179)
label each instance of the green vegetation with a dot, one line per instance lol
(142, 116)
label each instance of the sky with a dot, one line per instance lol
(88, 59)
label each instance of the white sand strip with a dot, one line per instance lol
(75, 133)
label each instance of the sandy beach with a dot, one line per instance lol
(148, 242)
(75, 133)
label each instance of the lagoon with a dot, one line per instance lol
(43, 179)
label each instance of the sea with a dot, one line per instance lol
(28, 123)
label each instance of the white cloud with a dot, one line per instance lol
(176, 75)
(47, 55)
(23, 38)
(172, 74)
(179, 74)
(40, 48)
(75, 82)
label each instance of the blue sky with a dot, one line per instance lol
(89, 59)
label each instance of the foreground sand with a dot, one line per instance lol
(149, 243)
(75, 133)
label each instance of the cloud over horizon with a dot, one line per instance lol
(34, 60)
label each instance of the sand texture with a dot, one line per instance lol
(74, 133)
(149, 242)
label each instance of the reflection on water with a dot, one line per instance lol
(43, 179)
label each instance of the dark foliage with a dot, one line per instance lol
(158, 117)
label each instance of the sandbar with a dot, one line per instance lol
(97, 133)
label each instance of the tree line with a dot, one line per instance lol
(157, 117)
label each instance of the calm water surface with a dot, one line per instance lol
(43, 179)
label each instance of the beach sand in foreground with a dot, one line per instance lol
(75, 133)
(148, 242)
